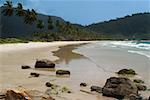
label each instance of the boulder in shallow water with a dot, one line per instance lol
(62, 72)
(44, 64)
(96, 89)
(126, 72)
(119, 87)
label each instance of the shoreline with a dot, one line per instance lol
(32, 45)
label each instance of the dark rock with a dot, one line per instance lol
(34, 74)
(138, 81)
(12, 95)
(25, 67)
(127, 72)
(48, 84)
(135, 97)
(141, 87)
(119, 87)
(83, 84)
(149, 98)
(96, 89)
(62, 72)
(69, 91)
(44, 64)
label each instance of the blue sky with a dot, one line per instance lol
(86, 11)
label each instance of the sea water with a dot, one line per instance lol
(111, 56)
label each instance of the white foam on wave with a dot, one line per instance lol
(147, 54)
(138, 48)
(121, 44)
(131, 44)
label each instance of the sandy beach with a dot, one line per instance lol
(13, 56)
(82, 69)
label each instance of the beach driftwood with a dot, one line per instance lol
(87, 92)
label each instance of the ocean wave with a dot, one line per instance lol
(145, 46)
(126, 44)
(121, 44)
(145, 53)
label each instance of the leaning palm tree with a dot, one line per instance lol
(30, 16)
(8, 8)
(19, 10)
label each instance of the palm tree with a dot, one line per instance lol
(19, 10)
(40, 24)
(8, 8)
(30, 16)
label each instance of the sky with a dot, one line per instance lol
(86, 11)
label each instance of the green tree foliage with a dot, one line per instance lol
(8, 8)
(19, 10)
(135, 26)
(40, 24)
(30, 16)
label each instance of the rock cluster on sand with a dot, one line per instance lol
(13, 95)
(119, 87)
(25, 95)
(44, 64)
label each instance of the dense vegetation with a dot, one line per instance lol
(29, 25)
(136, 26)
(12, 40)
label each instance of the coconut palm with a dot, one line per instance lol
(8, 8)
(30, 16)
(19, 10)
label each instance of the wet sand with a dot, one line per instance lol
(13, 56)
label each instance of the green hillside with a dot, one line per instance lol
(136, 26)
(30, 25)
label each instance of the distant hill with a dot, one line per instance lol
(136, 26)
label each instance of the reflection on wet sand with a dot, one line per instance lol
(66, 54)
